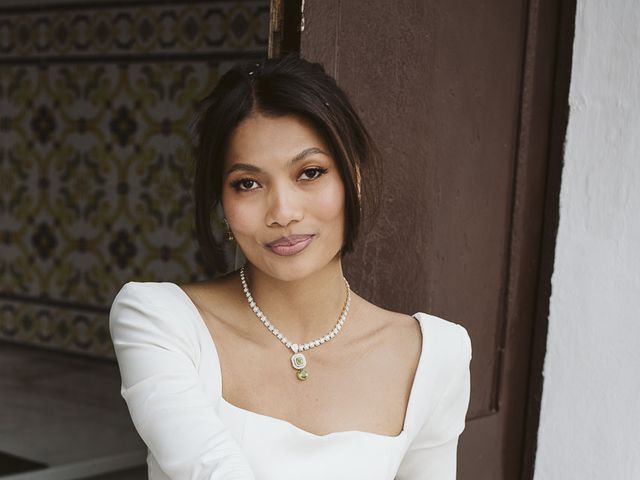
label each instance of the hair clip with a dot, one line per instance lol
(254, 71)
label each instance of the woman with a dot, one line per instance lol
(278, 369)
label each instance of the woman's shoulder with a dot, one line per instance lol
(149, 292)
(432, 349)
(435, 346)
(445, 350)
(413, 334)
(153, 308)
(215, 299)
(440, 347)
(169, 295)
(445, 332)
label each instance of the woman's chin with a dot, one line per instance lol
(293, 268)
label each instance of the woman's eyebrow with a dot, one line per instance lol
(252, 168)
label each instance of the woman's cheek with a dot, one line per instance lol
(330, 201)
(235, 211)
(240, 219)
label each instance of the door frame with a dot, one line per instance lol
(550, 34)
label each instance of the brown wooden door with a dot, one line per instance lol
(467, 101)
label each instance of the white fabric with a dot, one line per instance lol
(171, 382)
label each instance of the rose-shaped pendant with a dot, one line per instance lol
(299, 361)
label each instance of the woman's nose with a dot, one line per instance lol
(284, 206)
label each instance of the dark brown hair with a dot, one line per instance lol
(289, 85)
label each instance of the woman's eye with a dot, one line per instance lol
(321, 171)
(242, 182)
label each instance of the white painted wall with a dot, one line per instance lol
(590, 418)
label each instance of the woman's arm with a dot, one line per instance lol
(432, 453)
(157, 349)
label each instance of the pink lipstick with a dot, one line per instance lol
(291, 247)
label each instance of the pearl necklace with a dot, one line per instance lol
(298, 359)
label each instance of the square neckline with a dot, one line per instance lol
(410, 402)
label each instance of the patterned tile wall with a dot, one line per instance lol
(95, 102)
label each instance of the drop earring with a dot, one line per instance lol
(227, 234)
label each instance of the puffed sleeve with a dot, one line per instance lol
(157, 348)
(432, 453)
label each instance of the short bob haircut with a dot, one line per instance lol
(288, 85)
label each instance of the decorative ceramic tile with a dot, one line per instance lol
(95, 103)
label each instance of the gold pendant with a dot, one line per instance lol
(299, 361)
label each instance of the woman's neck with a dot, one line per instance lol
(304, 309)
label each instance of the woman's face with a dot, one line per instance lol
(280, 180)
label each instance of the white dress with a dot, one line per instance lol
(171, 382)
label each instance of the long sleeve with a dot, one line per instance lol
(432, 453)
(157, 350)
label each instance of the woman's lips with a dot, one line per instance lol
(286, 250)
